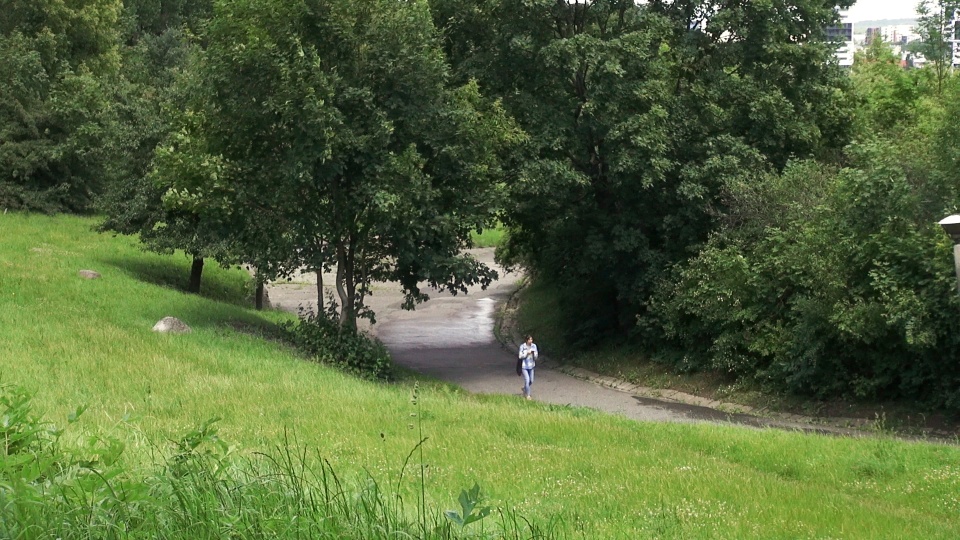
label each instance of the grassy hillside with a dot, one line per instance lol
(76, 342)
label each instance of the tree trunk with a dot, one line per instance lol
(196, 272)
(258, 301)
(320, 306)
(346, 289)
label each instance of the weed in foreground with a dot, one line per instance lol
(204, 488)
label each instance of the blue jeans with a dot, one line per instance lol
(527, 380)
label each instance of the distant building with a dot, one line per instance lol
(843, 35)
(953, 33)
(899, 35)
(872, 34)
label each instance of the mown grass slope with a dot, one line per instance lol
(76, 342)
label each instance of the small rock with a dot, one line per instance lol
(172, 325)
(89, 274)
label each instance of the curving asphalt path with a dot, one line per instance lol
(451, 338)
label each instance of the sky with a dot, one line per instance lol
(865, 10)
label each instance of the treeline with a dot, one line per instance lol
(699, 178)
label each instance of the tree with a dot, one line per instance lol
(638, 115)
(54, 113)
(325, 133)
(935, 26)
(835, 280)
(888, 93)
(155, 77)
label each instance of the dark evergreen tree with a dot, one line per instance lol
(55, 114)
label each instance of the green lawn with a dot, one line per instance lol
(75, 342)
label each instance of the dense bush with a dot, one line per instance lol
(824, 282)
(322, 337)
(835, 279)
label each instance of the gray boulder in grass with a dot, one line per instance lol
(171, 325)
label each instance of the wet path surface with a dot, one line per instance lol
(451, 338)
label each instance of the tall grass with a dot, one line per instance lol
(71, 342)
(488, 238)
(202, 489)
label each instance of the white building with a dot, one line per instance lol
(899, 35)
(843, 34)
(953, 33)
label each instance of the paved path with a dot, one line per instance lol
(451, 338)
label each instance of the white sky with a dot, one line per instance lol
(865, 10)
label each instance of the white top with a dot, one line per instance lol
(529, 354)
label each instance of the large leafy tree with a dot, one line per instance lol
(325, 133)
(638, 115)
(159, 44)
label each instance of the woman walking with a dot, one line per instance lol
(528, 361)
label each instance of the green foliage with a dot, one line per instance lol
(142, 19)
(321, 337)
(48, 489)
(202, 489)
(489, 237)
(939, 138)
(469, 500)
(888, 93)
(21, 432)
(638, 115)
(830, 283)
(131, 201)
(54, 131)
(72, 34)
(55, 115)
